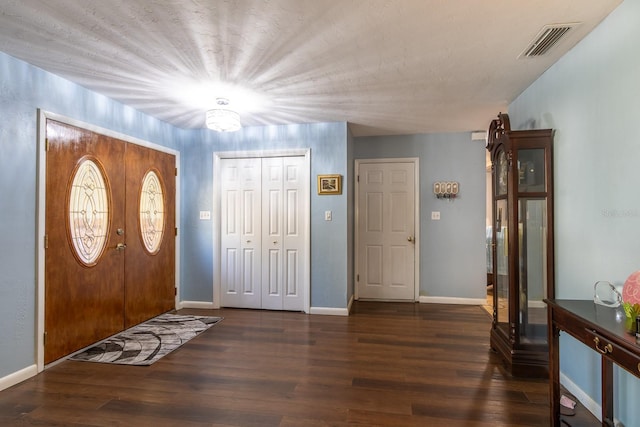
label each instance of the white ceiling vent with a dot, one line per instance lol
(546, 39)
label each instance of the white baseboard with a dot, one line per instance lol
(329, 311)
(18, 376)
(586, 400)
(197, 304)
(452, 300)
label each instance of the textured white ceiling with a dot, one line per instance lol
(385, 66)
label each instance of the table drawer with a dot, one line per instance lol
(611, 350)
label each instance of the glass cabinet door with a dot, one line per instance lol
(501, 253)
(501, 274)
(532, 274)
(502, 173)
(531, 173)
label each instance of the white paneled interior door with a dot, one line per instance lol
(283, 181)
(386, 231)
(263, 232)
(241, 232)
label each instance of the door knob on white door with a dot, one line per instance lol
(410, 238)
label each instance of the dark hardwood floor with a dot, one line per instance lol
(388, 364)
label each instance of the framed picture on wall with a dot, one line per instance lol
(329, 184)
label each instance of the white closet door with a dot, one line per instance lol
(241, 232)
(263, 232)
(283, 266)
(272, 244)
(295, 188)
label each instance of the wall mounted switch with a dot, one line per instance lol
(435, 215)
(205, 214)
(327, 215)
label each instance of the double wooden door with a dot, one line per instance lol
(109, 237)
(262, 219)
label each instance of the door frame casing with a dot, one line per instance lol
(416, 220)
(217, 158)
(41, 212)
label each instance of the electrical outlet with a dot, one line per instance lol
(435, 215)
(205, 214)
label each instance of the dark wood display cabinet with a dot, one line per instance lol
(522, 245)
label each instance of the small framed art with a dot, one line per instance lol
(329, 184)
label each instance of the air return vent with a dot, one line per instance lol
(546, 39)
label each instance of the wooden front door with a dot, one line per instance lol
(83, 292)
(150, 226)
(100, 276)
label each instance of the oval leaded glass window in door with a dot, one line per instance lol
(151, 212)
(88, 212)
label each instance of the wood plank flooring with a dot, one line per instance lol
(388, 364)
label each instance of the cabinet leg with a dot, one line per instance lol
(607, 392)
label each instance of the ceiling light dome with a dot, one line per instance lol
(222, 118)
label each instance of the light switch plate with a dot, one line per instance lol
(205, 214)
(435, 215)
(327, 215)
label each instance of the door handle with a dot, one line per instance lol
(121, 247)
(410, 238)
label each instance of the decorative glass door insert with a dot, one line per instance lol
(151, 212)
(88, 212)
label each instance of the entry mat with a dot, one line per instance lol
(147, 342)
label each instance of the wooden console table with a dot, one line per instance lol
(602, 329)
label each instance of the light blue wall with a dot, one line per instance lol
(592, 98)
(24, 89)
(452, 250)
(330, 257)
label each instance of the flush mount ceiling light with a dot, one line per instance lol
(222, 118)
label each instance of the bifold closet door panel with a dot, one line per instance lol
(283, 184)
(241, 232)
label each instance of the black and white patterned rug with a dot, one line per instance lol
(147, 342)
